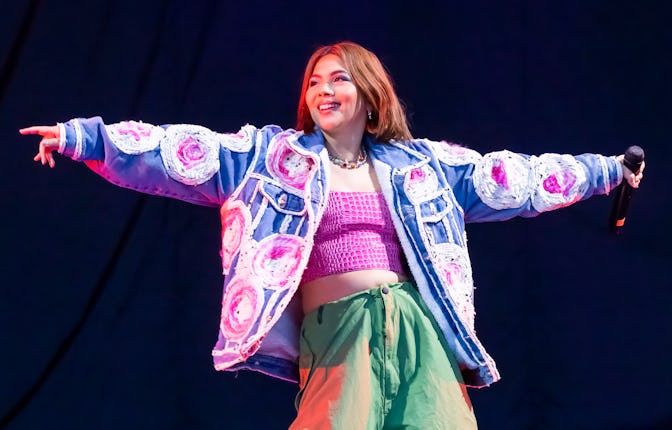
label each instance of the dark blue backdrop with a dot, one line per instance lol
(109, 300)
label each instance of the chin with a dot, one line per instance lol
(328, 126)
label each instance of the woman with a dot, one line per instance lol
(343, 243)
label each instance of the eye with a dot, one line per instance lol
(342, 78)
(312, 83)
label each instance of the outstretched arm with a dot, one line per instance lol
(503, 184)
(182, 161)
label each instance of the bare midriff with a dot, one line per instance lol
(333, 287)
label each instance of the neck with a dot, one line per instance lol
(348, 146)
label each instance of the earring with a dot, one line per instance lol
(369, 115)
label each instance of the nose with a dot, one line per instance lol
(327, 88)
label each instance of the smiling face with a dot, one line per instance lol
(332, 98)
(374, 90)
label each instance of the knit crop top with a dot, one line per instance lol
(356, 233)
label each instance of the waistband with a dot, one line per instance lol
(379, 291)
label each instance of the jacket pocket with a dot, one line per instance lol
(281, 200)
(435, 209)
(437, 219)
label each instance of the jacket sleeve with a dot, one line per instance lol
(502, 185)
(186, 162)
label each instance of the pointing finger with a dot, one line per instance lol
(31, 130)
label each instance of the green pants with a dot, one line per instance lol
(377, 360)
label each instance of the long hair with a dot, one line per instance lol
(388, 119)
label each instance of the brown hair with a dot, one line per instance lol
(388, 119)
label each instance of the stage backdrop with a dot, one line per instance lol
(110, 300)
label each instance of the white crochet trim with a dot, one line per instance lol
(451, 264)
(190, 153)
(503, 180)
(239, 142)
(619, 169)
(561, 181)
(77, 153)
(135, 137)
(605, 174)
(61, 137)
(454, 154)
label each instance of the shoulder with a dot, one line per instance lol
(250, 136)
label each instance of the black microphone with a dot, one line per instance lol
(634, 156)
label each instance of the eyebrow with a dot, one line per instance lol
(335, 72)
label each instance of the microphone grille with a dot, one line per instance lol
(633, 158)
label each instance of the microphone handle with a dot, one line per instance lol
(633, 158)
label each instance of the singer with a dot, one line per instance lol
(343, 241)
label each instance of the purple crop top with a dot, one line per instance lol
(356, 233)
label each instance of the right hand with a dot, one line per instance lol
(51, 137)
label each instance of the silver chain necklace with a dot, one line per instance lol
(345, 164)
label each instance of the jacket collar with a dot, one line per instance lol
(313, 142)
(397, 154)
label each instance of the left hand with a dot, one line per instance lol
(633, 178)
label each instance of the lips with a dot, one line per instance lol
(324, 107)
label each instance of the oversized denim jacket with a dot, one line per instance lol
(271, 186)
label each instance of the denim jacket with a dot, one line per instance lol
(271, 186)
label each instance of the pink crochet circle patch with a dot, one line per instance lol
(560, 183)
(236, 220)
(289, 166)
(277, 259)
(241, 306)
